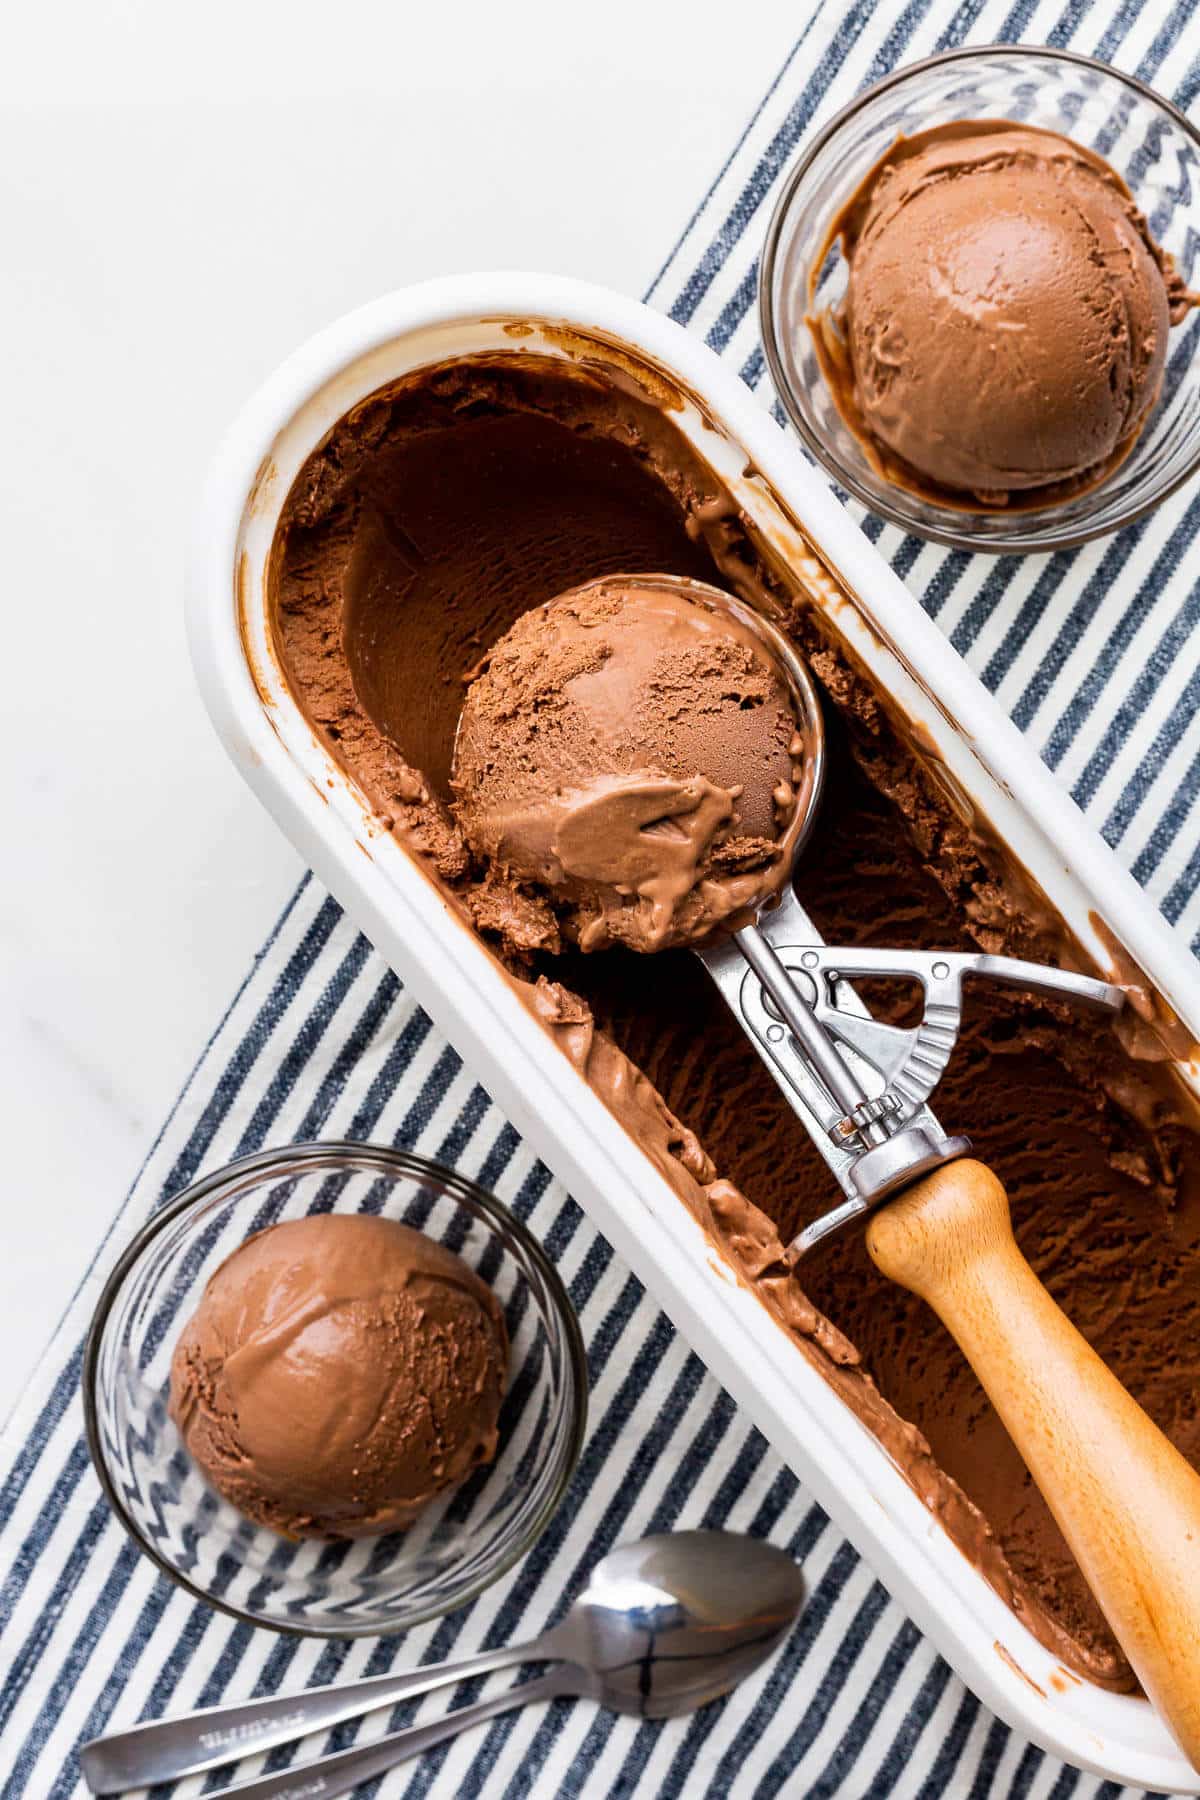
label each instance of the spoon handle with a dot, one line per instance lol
(1126, 1501)
(168, 1748)
(345, 1769)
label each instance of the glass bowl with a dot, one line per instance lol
(466, 1538)
(1149, 143)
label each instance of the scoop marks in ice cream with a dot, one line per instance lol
(1004, 329)
(626, 762)
(339, 1371)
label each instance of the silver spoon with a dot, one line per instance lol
(663, 1626)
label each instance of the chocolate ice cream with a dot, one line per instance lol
(422, 528)
(626, 764)
(339, 1371)
(1004, 328)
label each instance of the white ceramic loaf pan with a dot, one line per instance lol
(455, 979)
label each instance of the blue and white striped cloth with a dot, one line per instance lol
(1090, 653)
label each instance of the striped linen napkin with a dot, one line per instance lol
(1089, 653)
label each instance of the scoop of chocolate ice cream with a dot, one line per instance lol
(339, 1371)
(626, 763)
(1005, 323)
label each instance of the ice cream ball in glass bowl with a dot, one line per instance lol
(340, 1371)
(334, 1389)
(976, 298)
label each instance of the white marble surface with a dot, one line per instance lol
(185, 194)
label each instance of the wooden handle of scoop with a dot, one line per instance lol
(1126, 1501)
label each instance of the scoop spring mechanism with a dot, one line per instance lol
(859, 1085)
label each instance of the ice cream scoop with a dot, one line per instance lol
(1127, 1502)
(1125, 1499)
(635, 763)
(339, 1371)
(1003, 332)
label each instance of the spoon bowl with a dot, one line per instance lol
(678, 1619)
